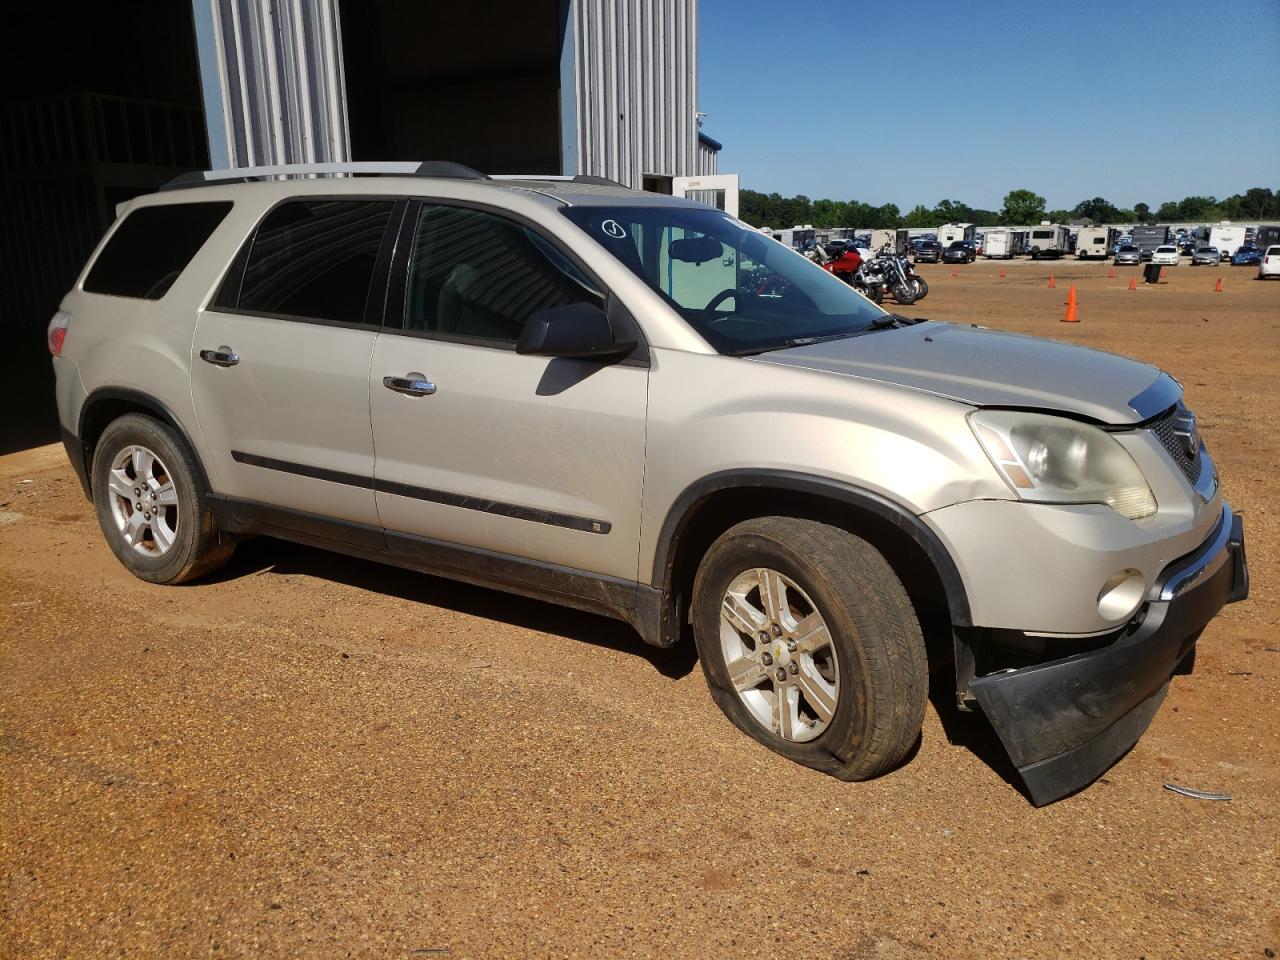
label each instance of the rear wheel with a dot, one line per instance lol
(150, 504)
(810, 645)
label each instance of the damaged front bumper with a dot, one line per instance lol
(1066, 721)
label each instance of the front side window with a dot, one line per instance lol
(314, 260)
(474, 275)
(742, 292)
(151, 248)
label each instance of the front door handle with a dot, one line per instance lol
(411, 385)
(224, 356)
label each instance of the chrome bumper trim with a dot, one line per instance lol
(1203, 563)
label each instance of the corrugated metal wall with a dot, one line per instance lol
(637, 69)
(708, 160)
(279, 66)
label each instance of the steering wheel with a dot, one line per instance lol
(721, 296)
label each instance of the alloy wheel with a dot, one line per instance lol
(144, 501)
(779, 654)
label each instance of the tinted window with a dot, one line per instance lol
(742, 292)
(152, 247)
(479, 276)
(314, 259)
(1041, 234)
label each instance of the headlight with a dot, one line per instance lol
(1048, 459)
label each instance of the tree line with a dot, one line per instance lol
(1021, 207)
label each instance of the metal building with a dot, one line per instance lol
(605, 87)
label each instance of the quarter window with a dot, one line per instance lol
(313, 259)
(151, 248)
(477, 276)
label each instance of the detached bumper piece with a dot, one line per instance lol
(1064, 723)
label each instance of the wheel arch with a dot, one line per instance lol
(107, 404)
(713, 504)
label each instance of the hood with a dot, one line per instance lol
(987, 368)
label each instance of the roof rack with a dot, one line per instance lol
(412, 168)
(556, 178)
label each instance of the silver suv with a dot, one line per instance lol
(639, 406)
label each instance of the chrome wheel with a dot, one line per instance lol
(144, 501)
(779, 654)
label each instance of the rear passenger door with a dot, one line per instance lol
(280, 360)
(532, 457)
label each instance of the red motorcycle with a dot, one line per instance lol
(843, 261)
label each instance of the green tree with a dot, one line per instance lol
(827, 213)
(1141, 212)
(1022, 207)
(952, 211)
(920, 216)
(1097, 210)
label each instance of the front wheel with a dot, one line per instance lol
(922, 288)
(904, 293)
(811, 646)
(150, 504)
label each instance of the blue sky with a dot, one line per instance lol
(911, 102)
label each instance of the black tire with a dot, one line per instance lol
(904, 293)
(883, 668)
(922, 288)
(196, 548)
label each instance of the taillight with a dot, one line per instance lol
(58, 328)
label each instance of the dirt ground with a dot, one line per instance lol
(309, 756)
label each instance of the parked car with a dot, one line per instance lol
(1127, 254)
(928, 251)
(563, 413)
(959, 251)
(1247, 256)
(1165, 255)
(1205, 255)
(1270, 266)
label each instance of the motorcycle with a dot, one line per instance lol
(903, 283)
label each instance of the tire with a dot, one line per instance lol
(904, 293)
(872, 653)
(922, 288)
(176, 541)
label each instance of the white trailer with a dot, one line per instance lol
(948, 233)
(1227, 238)
(1048, 240)
(896, 240)
(1094, 242)
(998, 244)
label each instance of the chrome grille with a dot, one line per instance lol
(1173, 430)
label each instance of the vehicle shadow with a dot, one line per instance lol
(262, 554)
(971, 731)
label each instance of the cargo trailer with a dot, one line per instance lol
(998, 244)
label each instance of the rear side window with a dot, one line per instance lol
(151, 248)
(312, 259)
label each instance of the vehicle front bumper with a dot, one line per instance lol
(1063, 723)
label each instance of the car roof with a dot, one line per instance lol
(586, 191)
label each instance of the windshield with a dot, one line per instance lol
(742, 291)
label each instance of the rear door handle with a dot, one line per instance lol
(224, 356)
(411, 385)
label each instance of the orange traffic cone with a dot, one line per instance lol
(1111, 274)
(1133, 283)
(1002, 273)
(1161, 274)
(953, 272)
(1217, 287)
(1070, 316)
(1052, 282)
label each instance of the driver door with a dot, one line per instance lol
(476, 445)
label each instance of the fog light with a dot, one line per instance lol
(1121, 595)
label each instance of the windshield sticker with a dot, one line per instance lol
(613, 228)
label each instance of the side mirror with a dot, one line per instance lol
(578, 331)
